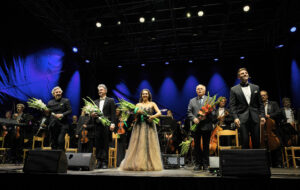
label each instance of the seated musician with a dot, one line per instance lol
(175, 137)
(288, 123)
(272, 111)
(225, 121)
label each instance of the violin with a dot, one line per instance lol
(84, 139)
(84, 132)
(170, 143)
(121, 129)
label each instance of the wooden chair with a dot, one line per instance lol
(3, 150)
(292, 150)
(67, 144)
(112, 151)
(34, 140)
(228, 133)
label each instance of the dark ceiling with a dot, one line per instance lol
(224, 31)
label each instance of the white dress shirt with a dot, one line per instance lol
(266, 107)
(247, 93)
(101, 104)
(289, 115)
(221, 111)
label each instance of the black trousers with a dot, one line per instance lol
(202, 155)
(101, 143)
(58, 132)
(253, 128)
(86, 147)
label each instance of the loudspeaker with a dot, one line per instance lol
(45, 161)
(172, 161)
(85, 161)
(244, 162)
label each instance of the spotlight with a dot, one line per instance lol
(119, 66)
(246, 8)
(279, 46)
(188, 15)
(293, 29)
(242, 57)
(216, 59)
(143, 65)
(98, 24)
(190, 61)
(87, 61)
(200, 13)
(75, 49)
(142, 19)
(153, 19)
(167, 63)
(119, 22)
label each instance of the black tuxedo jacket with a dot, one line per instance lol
(240, 108)
(109, 109)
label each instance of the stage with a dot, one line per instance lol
(181, 178)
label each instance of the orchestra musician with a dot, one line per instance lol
(272, 111)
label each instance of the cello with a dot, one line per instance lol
(213, 138)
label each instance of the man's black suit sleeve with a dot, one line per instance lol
(68, 108)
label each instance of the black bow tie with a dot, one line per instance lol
(244, 84)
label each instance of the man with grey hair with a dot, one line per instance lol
(108, 108)
(60, 109)
(204, 127)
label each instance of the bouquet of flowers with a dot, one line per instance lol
(37, 104)
(91, 107)
(185, 146)
(209, 106)
(129, 107)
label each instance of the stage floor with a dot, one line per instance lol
(283, 173)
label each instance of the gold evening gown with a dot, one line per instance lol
(143, 152)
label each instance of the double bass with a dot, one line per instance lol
(268, 135)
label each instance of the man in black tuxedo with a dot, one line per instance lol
(272, 111)
(247, 109)
(108, 108)
(60, 109)
(204, 127)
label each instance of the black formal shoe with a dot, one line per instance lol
(197, 168)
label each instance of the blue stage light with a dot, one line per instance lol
(293, 29)
(190, 61)
(119, 66)
(167, 63)
(242, 57)
(87, 61)
(75, 49)
(216, 59)
(143, 65)
(279, 46)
